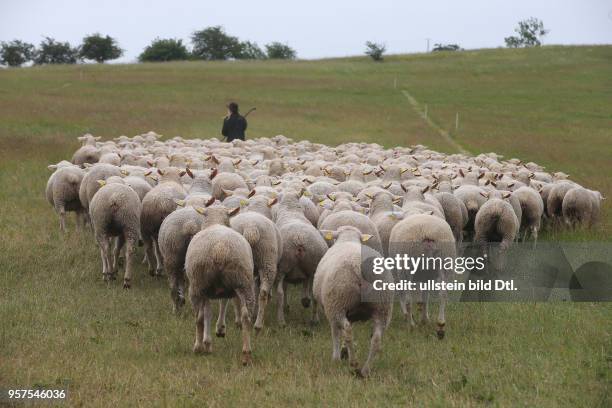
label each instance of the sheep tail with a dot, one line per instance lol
(251, 234)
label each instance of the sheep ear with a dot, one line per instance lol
(494, 184)
(233, 211)
(386, 186)
(429, 212)
(382, 168)
(227, 192)
(180, 203)
(275, 182)
(272, 201)
(331, 196)
(213, 173)
(206, 158)
(149, 162)
(214, 159)
(404, 188)
(160, 172)
(189, 173)
(506, 195)
(481, 175)
(403, 170)
(485, 195)
(365, 173)
(148, 172)
(98, 138)
(426, 189)
(454, 176)
(511, 184)
(370, 196)
(347, 173)
(102, 182)
(52, 166)
(461, 173)
(251, 193)
(210, 202)
(237, 162)
(201, 210)
(254, 162)
(365, 237)
(328, 235)
(182, 173)
(397, 199)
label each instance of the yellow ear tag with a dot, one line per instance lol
(329, 236)
(307, 194)
(392, 216)
(244, 202)
(365, 238)
(102, 182)
(200, 210)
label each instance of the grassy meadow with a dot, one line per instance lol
(62, 327)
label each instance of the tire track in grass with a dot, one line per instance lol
(443, 133)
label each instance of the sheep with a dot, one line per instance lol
(453, 214)
(384, 217)
(577, 207)
(532, 208)
(414, 197)
(360, 221)
(554, 202)
(175, 234)
(265, 240)
(89, 185)
(224, 182)
(496, 222)
(157, 205)
(303, 248)
(596, 199)
(62, 192)
(115, 212)
(337, 288)
(430, 236)
(139, 185)
(472, 198)
(219, 264)
(86, 154)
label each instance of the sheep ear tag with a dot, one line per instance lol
(307, 193)
(180, 203)
(233, 211)
(244, 202)
(365, 237)
(201, 210)
(102, 182)
(329, 236)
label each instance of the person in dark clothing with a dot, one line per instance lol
(234, 125)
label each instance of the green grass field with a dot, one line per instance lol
(62, 327)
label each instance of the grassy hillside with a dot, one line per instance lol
(62, 327)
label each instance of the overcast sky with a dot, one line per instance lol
(315, 28)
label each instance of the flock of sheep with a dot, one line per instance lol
(242, 220)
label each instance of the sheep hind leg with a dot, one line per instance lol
(130, 253)
(534, 234)
(62, 217)
(405, 301)
(306, 291)
(280, 301)
(150, 254)
(245, 319)
(262, 301)
(375, 343)
(347, 330)
(203, 343)
(158, 257)
(440, 332)
(336, 332)
(315, 307)
(220, 327)
(119, 244)
(237, 312)
(176, 293)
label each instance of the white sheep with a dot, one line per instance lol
(337, 287)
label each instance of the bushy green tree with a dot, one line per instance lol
(446, 47)
(16, 53)
(56, 52)
(213, 43)
(277, 50)
(250, 50)
(100, 48)
(375, 50)
(530, 33)
(168, 49)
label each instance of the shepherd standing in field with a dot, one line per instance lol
(234, 124)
